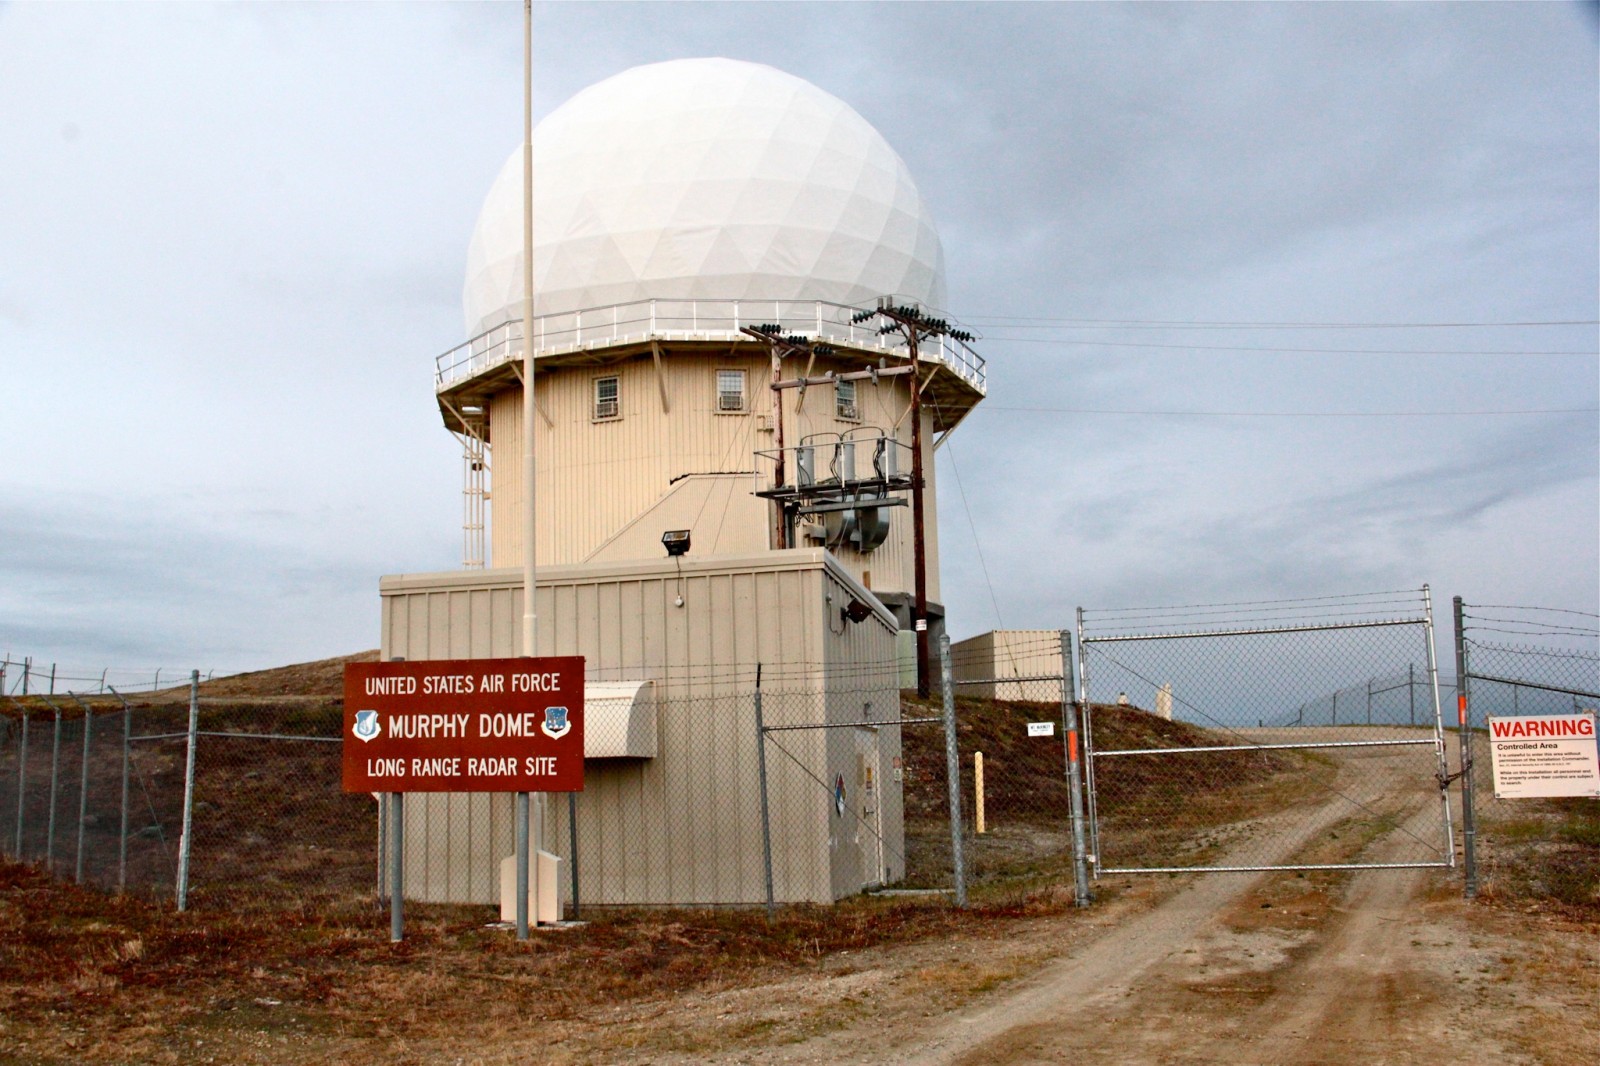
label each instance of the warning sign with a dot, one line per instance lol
(1544, 755)
(464, 725)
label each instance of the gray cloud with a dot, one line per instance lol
(221, 297)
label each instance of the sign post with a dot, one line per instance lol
(461, 725)
(397, 867)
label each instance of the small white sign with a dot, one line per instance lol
(1041, 729)
(1544, 755)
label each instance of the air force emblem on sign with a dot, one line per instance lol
(366, 727)
(555, 723)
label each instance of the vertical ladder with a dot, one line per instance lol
(474, 490)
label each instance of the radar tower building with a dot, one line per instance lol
(678, 208)
(724, 434)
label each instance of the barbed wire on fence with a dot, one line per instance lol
(28, 676)
(1517, 847)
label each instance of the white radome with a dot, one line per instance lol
(704, 179)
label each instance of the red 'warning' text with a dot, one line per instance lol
(1510, 728)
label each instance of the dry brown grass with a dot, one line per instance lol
(90, 978)
(324, 677)
(1541, 853)
(1157, 808)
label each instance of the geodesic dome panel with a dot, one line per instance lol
(704, 179)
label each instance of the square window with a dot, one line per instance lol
(730, 390)
(606, 397)
(844, 400)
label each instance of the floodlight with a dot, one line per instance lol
(676, 541)
(856, 612)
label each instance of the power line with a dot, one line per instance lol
(1292, 414)
(1272, 350)
(1136, 323)
(972, 525)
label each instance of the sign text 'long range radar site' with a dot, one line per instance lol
(464, 725)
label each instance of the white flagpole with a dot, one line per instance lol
(529, 577)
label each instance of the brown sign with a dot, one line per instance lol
(464, 725)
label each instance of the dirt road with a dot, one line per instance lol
(1371, 966)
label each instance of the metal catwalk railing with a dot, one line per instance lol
(668, 320)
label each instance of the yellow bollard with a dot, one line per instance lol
(977, 786)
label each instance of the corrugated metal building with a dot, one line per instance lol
(681, 825)
(1009, 664)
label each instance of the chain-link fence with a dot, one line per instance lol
(1404, 698)
(1299, 734)
(30, 677)
(855, 799)
(1187, 773)
(799, 785)
(61, 793)
(866, 786)
(97, 789)
(1519, 662)
(1016, 735)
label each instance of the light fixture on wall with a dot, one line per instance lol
(856, 612)
(676, 541)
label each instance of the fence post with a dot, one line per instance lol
(952, 762)
(1069, 721)
(1442, 763)
(523, 921)
(1369, 701)
(383, 843)
(83, 787)
(397, 866)
(1411, 691)
(55, 784)
(766, 816)
(1086, 709)
(572, 841)
(127, 755)
(186, 841)
(1469, 824)
(22, 781)
(1335, 720)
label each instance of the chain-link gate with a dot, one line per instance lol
(1210, 746)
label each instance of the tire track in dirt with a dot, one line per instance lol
(1101, 990)
(1354, 986)
(1358, 984)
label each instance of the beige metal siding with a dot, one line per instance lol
(596, 477)
(990, 659)
(683, 827)
(863, 689)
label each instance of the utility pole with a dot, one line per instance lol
(909, 321)
(781, 345)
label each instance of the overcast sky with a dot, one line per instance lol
(232, 239)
